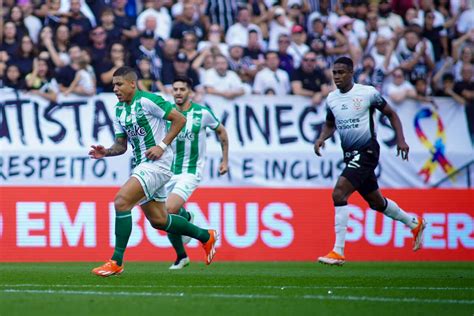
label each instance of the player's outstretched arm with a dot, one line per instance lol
(177, 123)
(327, 131)
(224, 140)
(402, 146)
(118, 148)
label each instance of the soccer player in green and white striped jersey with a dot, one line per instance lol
(190, 153)
(140, 118)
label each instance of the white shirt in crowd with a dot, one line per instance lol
(277, 81)
(163, 22)
(392, 89)
(230, 82)
(86, 80)
(297, 52)
(239, 34)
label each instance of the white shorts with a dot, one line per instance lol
(183, 185)
(153, 179)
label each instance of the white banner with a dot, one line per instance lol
(271, 143)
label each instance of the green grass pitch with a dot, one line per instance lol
(239, 288)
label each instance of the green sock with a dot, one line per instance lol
(182, 212)
(177, 244)
(180, 226)
(176, 240)
(123, 229)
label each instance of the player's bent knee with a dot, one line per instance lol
(339, 198)
(158, 222)
(121, 203)
(172, 210)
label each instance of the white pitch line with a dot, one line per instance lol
(330, 287)
(247, 296)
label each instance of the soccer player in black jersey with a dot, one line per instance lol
(350, 110)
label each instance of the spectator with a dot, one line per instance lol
(107, 21)
(260, 15)
(149, 49)
(203, 63)
(446, 87)
(3, 69)
(242, 65)
(436, 35)
(25, 55)
(84, 83)
(66, 8)
(169, 52)
(188, 23)
(124, 22)
(465, 90)
(271, 77)
(221, 12)
(182, 68)
(104, 71)
(221, 81)
(310, 81)
(32, 23)
(286, 60)
(155, 9)
(239, 32)
(374, 32)
(9, 42)
(369, 74)
(98, 48)
(41, 82)
(279, 25)
(14, 78)
(297, 46)
(57, 46)
(16, 17)
(214, 39)
(146, 79)
(296, 11)
(466, 57)
(423, 91)
(189, 45)
(51, 15)
(79, 25)
(65, 75)
(254, 49)
(387, 17)
(415, 55)
(400, 89)
(383, 55)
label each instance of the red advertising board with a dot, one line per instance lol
(76, 224)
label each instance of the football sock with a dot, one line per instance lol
(182, 212)
(180, 226)
(176, 240)
(177, 244)
(395, 212)
(123, 229)
(341, 217)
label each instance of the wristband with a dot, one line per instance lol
(162, 145)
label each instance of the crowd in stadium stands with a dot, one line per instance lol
(408, 49)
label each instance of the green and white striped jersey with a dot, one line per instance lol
(190, 144)
(143, 122)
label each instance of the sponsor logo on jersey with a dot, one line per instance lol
(344, 107)
(135, 130)
(186, 135)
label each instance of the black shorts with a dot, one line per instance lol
(360, 168)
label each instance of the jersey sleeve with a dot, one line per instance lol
(377, 100)
(156, 105)
(119, 131)
(209, 119)
(329, 115)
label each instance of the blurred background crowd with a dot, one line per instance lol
(407, 49)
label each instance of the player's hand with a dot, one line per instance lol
(403, 149)
(154, 153)
(318, 144)
(223, 168)
(97, 152)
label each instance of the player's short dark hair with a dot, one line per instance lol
(345, 61)
(187, 80)
(126, 72)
